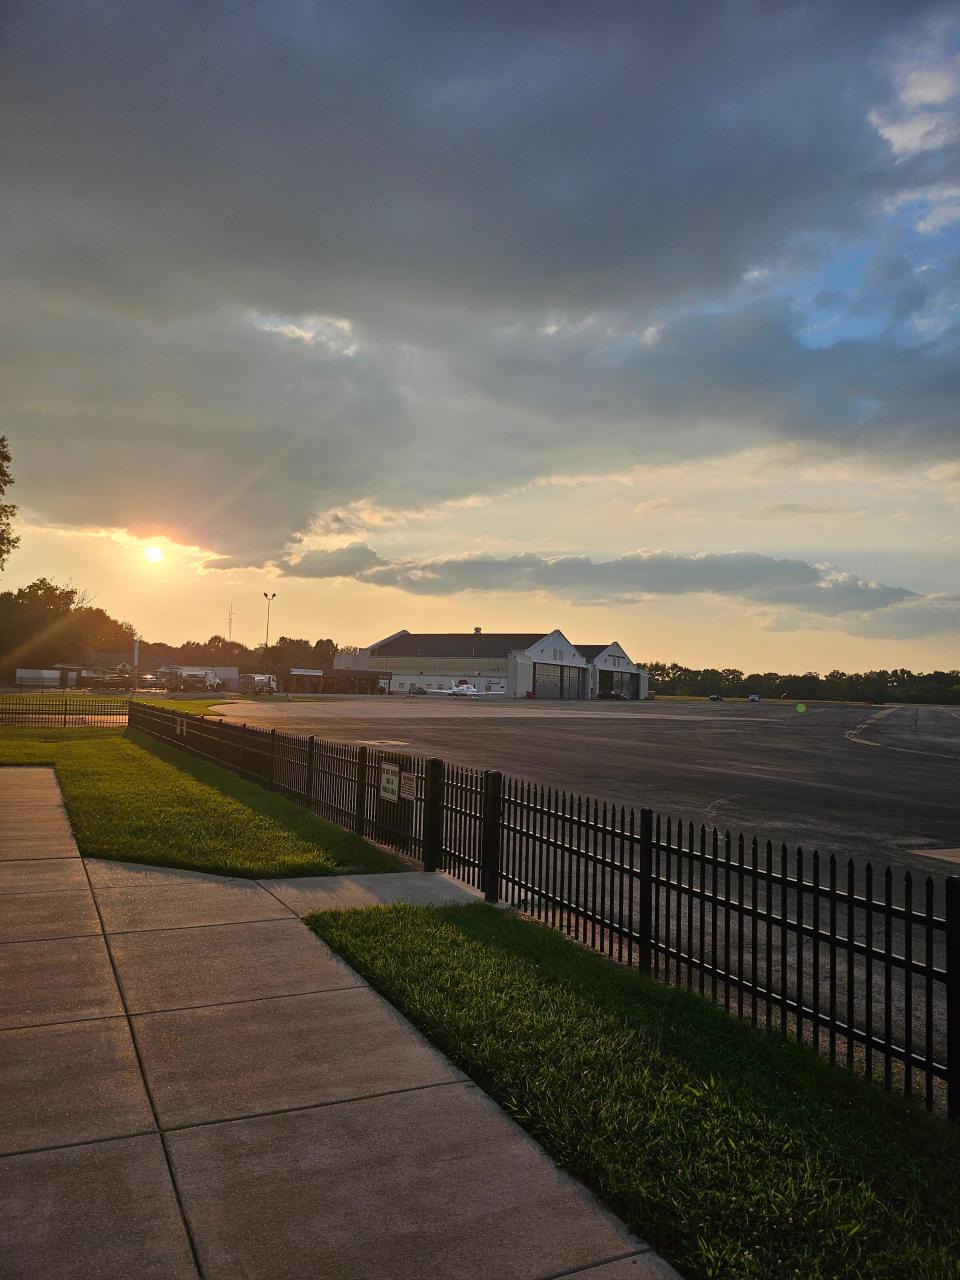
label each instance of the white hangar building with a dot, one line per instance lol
(519, 665)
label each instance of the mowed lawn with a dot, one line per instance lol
(737, 1155)
(136, 800)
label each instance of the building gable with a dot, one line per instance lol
(611, 657)
(556, 649)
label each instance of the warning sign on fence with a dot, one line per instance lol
(389, 781)
(408, 786)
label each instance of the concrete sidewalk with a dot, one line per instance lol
(192, 1084)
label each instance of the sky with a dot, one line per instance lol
(637, 321)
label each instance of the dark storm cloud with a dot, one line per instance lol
(331, 156)
(186, 185)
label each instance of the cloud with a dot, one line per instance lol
(352, 561)
(268, 264)
(910, 619)
(799, 593)
(802, 511)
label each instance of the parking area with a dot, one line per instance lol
(867, 782)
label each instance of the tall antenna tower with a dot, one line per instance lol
(230, 622)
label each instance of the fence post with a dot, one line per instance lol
(645, 893)
(360, 805)
(220, 743)
(243, 750)
(953, 996)
(433, 784)
(311, 756)
(273, 755)
(490, 832)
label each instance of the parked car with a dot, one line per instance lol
(716, 697)
(753, 697)
(416, 691)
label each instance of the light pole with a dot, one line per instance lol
(266, 644)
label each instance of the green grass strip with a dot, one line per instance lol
(735, 1154)
(136, 800)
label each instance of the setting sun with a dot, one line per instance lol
(153, 554)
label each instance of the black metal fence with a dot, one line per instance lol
(336, 780)
(48, 711)
(866, 972)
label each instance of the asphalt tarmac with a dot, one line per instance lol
(873, 783)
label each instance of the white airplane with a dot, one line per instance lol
(463, 691)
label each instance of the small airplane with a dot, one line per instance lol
(463, 691)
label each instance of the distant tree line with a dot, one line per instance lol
(43, 623)
(900, 685)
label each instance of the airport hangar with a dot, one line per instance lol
(518, 665)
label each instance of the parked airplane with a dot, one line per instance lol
(462, 691)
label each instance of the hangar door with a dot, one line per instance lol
(553, 681)
(624, 683)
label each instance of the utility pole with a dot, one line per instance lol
(230, 622)
(266, 644)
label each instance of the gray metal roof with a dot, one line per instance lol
(455, 644)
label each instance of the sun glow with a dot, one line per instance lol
(153, 554)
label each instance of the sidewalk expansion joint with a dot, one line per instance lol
(222, 924)
(313, 1106)
(218, 1004)
(55, 937)
(183, 928)
(603, 1262)
(226, 1004)
(29, 893)
(82, 1142)
(64, 1022)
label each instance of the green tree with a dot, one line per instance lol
(8, 542)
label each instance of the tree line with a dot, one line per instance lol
(900, 685)
(44, 623)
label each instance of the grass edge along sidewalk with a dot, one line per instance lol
(133, 799)
(733, 1154)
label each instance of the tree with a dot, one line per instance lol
(324, 652)
(35, 624)
(8, 542)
